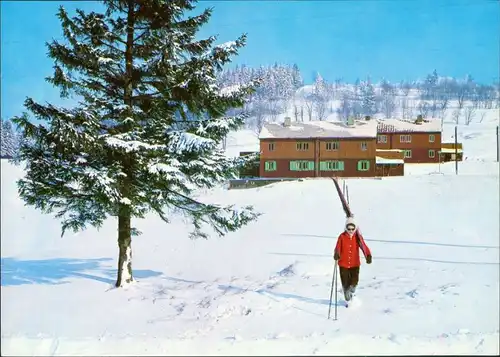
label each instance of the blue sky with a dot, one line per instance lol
(395, 39)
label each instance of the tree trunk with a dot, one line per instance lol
(124, 213)
(125, 249)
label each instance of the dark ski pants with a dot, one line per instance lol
(349, 278)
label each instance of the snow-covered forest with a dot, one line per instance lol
(10, 139)
(282, 90)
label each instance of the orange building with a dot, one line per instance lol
(359, 148)
(321, 149)
(420, 140)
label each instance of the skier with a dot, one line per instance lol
(347, 254)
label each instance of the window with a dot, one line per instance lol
(432, 154)
(331, 165)
(382, 139)
(332, 146)
(364, 146)
(405, 138)
(271, 146)
(432, 138)
(301, 165)
(407, 154)
(363, 165)
(270, 166)
(302, 146)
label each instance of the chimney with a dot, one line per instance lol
(367, 117)
(350, 121)
(419, 119)
(287, 122)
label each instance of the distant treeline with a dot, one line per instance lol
(430, 97)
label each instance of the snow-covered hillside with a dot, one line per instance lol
(433, 286)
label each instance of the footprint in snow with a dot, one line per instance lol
(205, 303)
(413, 293)
(288, 271)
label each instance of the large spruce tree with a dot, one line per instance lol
(146, 130)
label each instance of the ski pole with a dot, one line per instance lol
(331, 290)
(336, 279)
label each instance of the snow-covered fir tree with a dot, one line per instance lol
(9, 140)
(320, 97)
(368, 100)
(387, 96)
(296, 77)
(147, 129)
(429, 86)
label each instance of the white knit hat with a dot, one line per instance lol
(350, 221)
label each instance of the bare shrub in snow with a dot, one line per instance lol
(457, 113)
(309, 103)
(469, 114)
(423, 109)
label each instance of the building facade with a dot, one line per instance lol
(318, 149)
(419, 140)
(359, 148)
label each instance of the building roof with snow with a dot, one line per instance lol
(386, 161)
(320, 130)
(406, 126)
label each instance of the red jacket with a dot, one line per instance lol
(348, 249)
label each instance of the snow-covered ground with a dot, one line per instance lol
(433, 286)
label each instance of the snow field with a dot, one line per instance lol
(265, 289)
(433, 286)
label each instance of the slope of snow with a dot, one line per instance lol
(433, 286)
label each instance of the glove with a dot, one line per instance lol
(336, 256)
(369, 259)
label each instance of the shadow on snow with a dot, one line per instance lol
(277, 295)
(58, 271)
(399, 241)
(314, 255)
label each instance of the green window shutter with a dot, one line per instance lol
(270, 165)
(363, 165)
(322, 166)
(341, 165)
(293, 166)
(310, 165)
